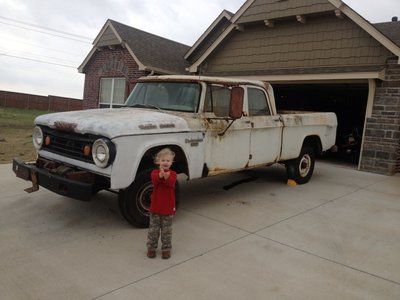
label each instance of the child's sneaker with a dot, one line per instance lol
(166, 254)
(151, 253)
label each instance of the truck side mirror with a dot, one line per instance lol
(236, 103)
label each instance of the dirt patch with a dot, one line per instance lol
(16, 127)
(16, 143)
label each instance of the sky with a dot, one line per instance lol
(44, 42)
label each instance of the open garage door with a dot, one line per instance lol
(348, 101)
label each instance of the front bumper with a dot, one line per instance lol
(55, 183)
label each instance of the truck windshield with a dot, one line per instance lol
(178, 96)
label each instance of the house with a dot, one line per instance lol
(120, 55)
(318, 54)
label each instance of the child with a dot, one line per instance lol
(162, 207)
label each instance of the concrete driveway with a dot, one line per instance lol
(246, 235)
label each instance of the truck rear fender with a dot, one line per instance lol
(315, 142)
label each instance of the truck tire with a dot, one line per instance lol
(301, 168)
(134, 202)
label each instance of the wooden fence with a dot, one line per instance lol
(29, 101)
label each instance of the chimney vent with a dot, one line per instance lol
(395, 19)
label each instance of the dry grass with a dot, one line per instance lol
(16, 134)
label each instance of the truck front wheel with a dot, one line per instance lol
(301, 168)
(134, 202)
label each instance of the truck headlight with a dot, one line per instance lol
(37, 137)
(103, 152)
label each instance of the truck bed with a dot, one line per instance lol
(297, 125)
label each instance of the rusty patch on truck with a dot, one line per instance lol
(65, 171)
(65, 126)
(217, 171)
(81, 176)
(215, 126)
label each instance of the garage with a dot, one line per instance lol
(347, 100)
(319, 55)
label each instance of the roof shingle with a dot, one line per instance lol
(154, 51)
(391, 30)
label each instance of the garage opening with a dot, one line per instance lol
(348, 101)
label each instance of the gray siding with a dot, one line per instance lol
(323, 42)
(108, 38)
(272, 9)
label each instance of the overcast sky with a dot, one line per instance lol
(44, 41)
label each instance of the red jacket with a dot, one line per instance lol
(163, 196)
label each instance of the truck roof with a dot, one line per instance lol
(196, 78)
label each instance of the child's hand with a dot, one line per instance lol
(162, 173)
(166, 174)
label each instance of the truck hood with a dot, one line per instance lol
(112, 123)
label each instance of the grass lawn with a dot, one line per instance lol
(16, 134)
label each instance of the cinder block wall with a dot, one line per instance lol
(382, 136)
(108, 63)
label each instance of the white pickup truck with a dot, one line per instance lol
(214, 125)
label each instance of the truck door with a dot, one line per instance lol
(231, 150)
(265, 139)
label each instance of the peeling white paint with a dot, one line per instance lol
(118, 122)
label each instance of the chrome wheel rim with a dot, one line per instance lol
(144, 199)
(305, 165)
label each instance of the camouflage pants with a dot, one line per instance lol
(160, 224)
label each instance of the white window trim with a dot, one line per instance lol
(111, 90)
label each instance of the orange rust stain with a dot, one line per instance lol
(65, 126)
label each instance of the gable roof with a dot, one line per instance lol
(208, 37)
(391, 30)
(278, 9)
(151, 52)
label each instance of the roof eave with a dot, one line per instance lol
(86, 60)
(223, 14)
(318, 76)
(160, 71)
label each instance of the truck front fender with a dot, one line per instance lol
(136, 153)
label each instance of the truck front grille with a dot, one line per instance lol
(68, 144)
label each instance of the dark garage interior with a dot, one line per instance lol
(348, 101)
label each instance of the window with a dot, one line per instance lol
(218, 100)
(258, 105)
(112, 92)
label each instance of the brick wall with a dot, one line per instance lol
(382, 136)
(108, 63)
(397, 170)
(29, 101)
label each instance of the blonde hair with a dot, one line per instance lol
(162, 152)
